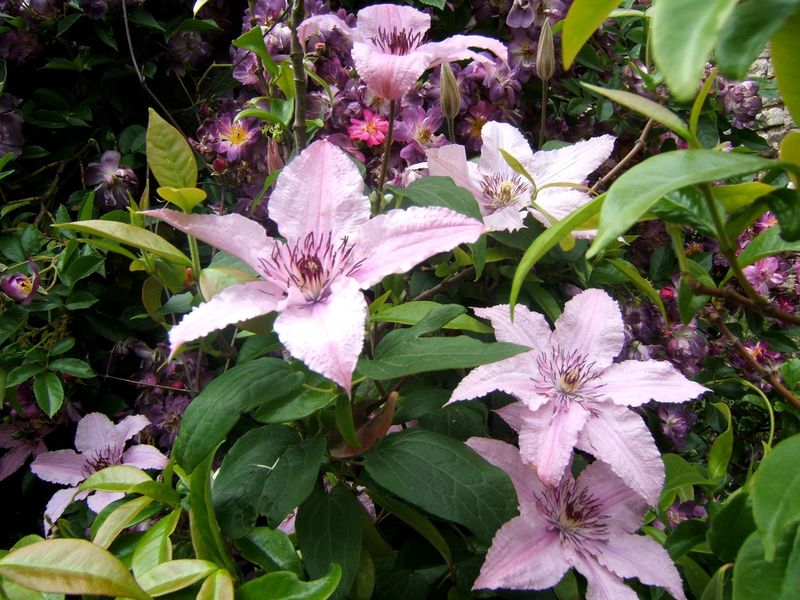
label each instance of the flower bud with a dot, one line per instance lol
(450, 97)
(274, 158)
(546, 53)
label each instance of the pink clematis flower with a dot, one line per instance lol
(504, 195)
(572, 394)
(588, 524)
(332, 251)
(388, 48)
(371, 130)
(100, 444)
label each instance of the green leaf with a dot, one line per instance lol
(685, 537)
(49, 393)
(286, 586)
(757, 577)
(70, 566)
(72, 366)
(646, 107)
(253, 41)
(155, 546)
(720, 454)
(638, 189)
(116, 478)
(747, 31)
(214, 412)
(218, 586)
(118, 520)
(775, 491)
(157, 490)
(785, 203)
(785, 50)
(344, 421)
(138, 237)
(632, 273)
(684, 33)
(169, 155)
(411, 313)
(730, 527)
(315, 395)
(737, 196)
(440, 191)
(206, 536)
(715, 590)
(175, 575)
(22, 373)
(583, 18)
(679, 474)
(767, 243)
(329, 533)
(688, 301)
(184, 198)
(417, 465)
(270, 549)
(403, 352)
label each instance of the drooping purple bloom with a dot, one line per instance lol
(21, 287)
(114, 183)
(687, 348)
(20, 46)
(741, 99)
(676, 423)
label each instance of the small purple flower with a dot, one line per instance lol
(417, 129)
(235, 138)
(687, 348)
(764, 275)
(20, 46)
(676, 423)
(469, 129)
(21, 287)
(742, 100)
(114, 183)
(522, 14)
(187, 48)
(678, 512)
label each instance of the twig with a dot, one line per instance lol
(727, 293)
(445, 284)
(143, 384)
(297, 56)
(637, 146)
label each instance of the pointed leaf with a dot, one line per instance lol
(117, 478)
(175, 575)
(730, 527)
(720, 454)
(218, 586)
(155, 546)
(169, 155)
(757, 577)
(785, 50)
(440, 191)
(270, 549)
(411, 313)
(583, 18)
(49, 393)
(118, 520)
(206, 536)
(286, 586)
(184, 198)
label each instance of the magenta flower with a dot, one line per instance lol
(100, 444)
(572, 393)
(22, 287)
(234, 138)
(764, 275)
(371, 130)
(388, 48)
(504, 195)
(332, 251)
(417, 130)
(587, 524)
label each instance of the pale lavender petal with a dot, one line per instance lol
(618, 436)
(12, 460)
(573, 163)
(322, 24)
(99, 500)
(7, 439)
(319, 192)
(451, 161)
(127, 428)
(387, 17)
(559, 203)
(514, 414)
(389, 76)
(591, 326)
(509, 218)
(237, 235)
(602, 584)
(506, 457)
(61, 466)
(633, 383)
(144, 456)
(527, 329)
(628, 556)
(398, 240)
(456, 47)
(56, 507)
(232, 305)
(623, 507)
(525, 555)
(502, 136)
(327, 335)
(547, 438)
(512, 376)
(93, 432)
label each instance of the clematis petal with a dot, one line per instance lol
(99, 500)
(237, 235)
(451, 161)
(56, 507)
(127, 428)
(514, 414)
(628, 555)
(60, 466)
(602, 584)
(502, 136)
(12, 460)
(93, 432)
(559, 203)
(319, 192)
(386, 18)
(524, 555)
(232, 305)
(547, 438)
(457, 47)
(144, 456)
(389, 76)
(623, 507)
(398, 240)
(506, 457)
(327, 335)
(322, 24)
(618, 436)
(633, 383)
(572, 163)
(511, 375)
(527, 329)
(591, 325)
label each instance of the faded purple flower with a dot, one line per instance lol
(742, 100)
(687, 348)
(764, 275)
(114, 183)
(22, 287)
(676, 423)
(20, 46)
(417, 130)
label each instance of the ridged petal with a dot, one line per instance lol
(60, 466)
(322, 24)
(527, 329)
(457, 47)
(99, 500)
(127, 428)
(506, 457)
(511, 375)
(497, 136)
(390, 17)
(510, 218)
(571, 163)
(451, 161)
(514, 414)
(602, 584)
(319, 192)
(398, 240)
(57, 505)
(623, 507)
(633, 383)
(144, 456)
(93, 432)
(389, 76)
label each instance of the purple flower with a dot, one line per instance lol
(417, 129)
(114, 183)
(235, 138)
(676, 422)
(763, 275)
(687, 348)
(588, 524)
(187, 48)
(20, 46)
(100, 444)
(22, 287)
(742, 100)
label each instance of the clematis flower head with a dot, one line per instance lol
(100, 444)
(504, 196)
(572, 394)
(587, 524)
(389, 50)
(332, 251)
(22, 287)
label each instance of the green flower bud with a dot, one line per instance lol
(449, 97)
(546, 53)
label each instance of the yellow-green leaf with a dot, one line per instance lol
(218, 586)
(790, 150)
(169, 155)
(117, 478)
(583, 18)
(118, 520)
(175, 575)
(155, 546)
(736, 196)
(785, 50)
(185, 198)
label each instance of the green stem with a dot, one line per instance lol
(543, 120)
(451, 133)
(677, 246)
(297, 56)
(195, 254)
(385, 161)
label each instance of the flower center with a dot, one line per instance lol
(237, 135)
(502, 190)
(565, 377)
(397, 42)
(424, 136)
(25, 283)
(101, 458)
(574, 513)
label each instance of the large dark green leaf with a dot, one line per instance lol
(329, 532)
(756, 578)
(269, 471)
(444, 477)
(284, 585)
(785, 49)
(211, 415)
(270, 549)
(206, 536)
(786, 206)
(440, 191)
(731, 526)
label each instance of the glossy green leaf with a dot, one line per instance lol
(169, 155)
(313, 396)
(737, 196)
(49, 392)
(416, 465)
(784, 204)
(684, 33)
(632, 273)
(116, 478)
(253, 40)
(155, 546)
(286, 586)
(632, 195)
(690, 302)
(124, 233)
(411, 313)
(685, 206)
(270, 549)
(679, 474)
(329, 533)
(175, 575)
(685, 537)
(70, 566)
(646, 107)
(206, 535)
(730, 527)
(715, 590)
(157, 490)
(440, 191)
(118, 520)
(184, 198)
(72, 366)
(694, 575)
(583, 18)
(720, 454)
(217, 586)
(767, 243)
(757, 577)
(22, 373)
(785, 46)
(213, 413)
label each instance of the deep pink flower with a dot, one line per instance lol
(372, 129)
(100, 444)
(332, 251)
(388, 48)
(572, 393)
(588, 524)
(764, 275)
